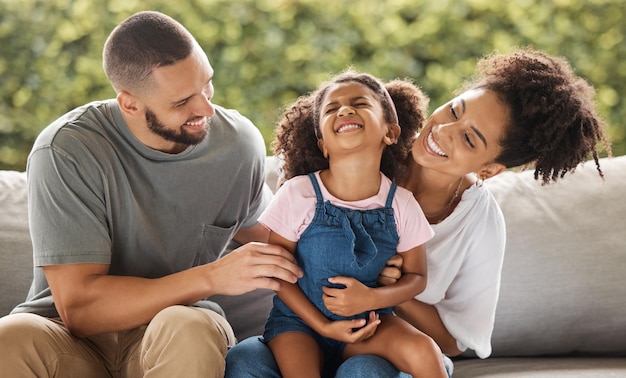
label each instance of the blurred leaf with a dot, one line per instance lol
(267, 52)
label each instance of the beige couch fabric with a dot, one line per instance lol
(563, 281)
(564, 275)
(15, 247)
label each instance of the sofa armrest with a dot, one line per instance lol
(16, 269)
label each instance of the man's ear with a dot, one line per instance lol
(128, 104)
(393, 133)
(490, 170)
(320, 145)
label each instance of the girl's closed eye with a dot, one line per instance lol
(330, 110)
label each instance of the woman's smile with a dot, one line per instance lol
(432, 146)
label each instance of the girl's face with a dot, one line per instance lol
(352, 118)
(462, 136)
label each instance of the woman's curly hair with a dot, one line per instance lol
(553, 123)
(295, 141)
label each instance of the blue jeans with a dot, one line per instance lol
(252, 358)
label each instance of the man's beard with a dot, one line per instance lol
(181, 136)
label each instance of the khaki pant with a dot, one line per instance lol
(179, 342)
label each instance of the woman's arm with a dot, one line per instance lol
(421, 315)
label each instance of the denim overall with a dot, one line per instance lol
(338, 242)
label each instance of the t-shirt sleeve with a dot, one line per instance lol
(254, 148)
(413, 227)
(258, 203)
(291, 209)
(468, 309)
(67, 211)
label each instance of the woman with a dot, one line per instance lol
(526, 108)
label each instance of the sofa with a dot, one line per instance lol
(562, 305)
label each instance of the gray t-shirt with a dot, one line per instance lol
(98, 195)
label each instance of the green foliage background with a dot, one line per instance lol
(267, 52)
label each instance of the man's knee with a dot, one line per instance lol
(187, 335)
(187, 324)
(30, 344)
(24, 331)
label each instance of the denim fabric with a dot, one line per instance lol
(338, 242)
(252, 358)
(367, 365)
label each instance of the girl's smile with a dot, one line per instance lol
(347, 127)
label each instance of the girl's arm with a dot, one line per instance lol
(357, 297)
(295, 299)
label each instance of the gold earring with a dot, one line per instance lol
(479, 181)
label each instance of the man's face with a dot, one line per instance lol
(178, 111)
(177, 135)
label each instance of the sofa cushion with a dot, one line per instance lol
(562, 367)
(16, 258)
(563, 279)
(564, 274)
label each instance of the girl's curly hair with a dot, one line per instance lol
(553, 123)
(295, 141)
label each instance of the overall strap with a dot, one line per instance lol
(316, 186)
(392, 192)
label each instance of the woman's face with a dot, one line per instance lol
(462, 136)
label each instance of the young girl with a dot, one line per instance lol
(343, 220)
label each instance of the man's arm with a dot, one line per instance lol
(92, 302)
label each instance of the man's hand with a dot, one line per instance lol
(352, 331)
(392, 271)
(254, 266)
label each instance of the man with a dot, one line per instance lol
(131, 203)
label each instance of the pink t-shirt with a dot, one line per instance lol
(293, 208)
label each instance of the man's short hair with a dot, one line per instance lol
(142, 42)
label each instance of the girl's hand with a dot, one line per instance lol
(354, 299)
(392, 271)
(352, 331)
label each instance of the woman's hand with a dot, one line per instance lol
(392, 271)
